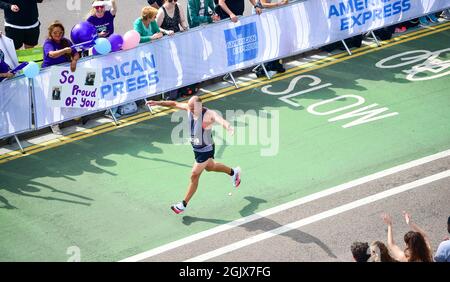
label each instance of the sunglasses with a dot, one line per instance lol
(99, 7)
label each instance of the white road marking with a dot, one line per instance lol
(329, 213)
(277, 209)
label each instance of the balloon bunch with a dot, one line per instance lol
(84, 36)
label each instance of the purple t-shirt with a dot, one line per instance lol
(105, 23)
(4, 68)
(50, 45)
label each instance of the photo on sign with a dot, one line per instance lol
(90, 78)
(56, 93)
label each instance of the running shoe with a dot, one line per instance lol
(236, 178)
(178, 208)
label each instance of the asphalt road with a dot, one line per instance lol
(330, 239)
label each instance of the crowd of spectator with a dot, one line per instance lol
(417, 246)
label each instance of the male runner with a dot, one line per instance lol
(201, 121)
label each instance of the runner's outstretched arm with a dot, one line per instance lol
(170, 104)
(217, 118)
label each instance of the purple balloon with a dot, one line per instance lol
(116, 41)
(83, 32)
(94, 52)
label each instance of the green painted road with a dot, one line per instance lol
(109, 194)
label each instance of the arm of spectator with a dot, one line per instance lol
(394, 250)
(258, 9)
(7, 74)
(227, 10)
(139, 29)
(160, 17)
(73, 63)
(215, 17)
(158, 32)
(114, 7)
(183, 22)
(269, 5)
(7, 6)
(416, 228)
(58, 53)
(196, 19)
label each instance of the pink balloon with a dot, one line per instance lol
(131, 39)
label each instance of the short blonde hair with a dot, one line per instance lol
(148, 12)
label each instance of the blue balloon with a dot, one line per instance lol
(31, 70)
(102, 46)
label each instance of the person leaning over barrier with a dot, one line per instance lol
(234, 8)
(146, 25)
(22, 22)
(201, 12)
(170, 18)
(57, 50)
(273, 65)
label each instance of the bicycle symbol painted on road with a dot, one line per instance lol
(430, 65)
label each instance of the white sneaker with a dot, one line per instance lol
(56, 130)
(178, 208)
(236, 178)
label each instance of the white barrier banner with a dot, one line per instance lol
(77, 89)
(15, 107)
(213, 50)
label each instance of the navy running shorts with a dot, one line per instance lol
(201, 157)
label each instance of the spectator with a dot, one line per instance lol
(57, 51)
(201, 12)
(380, 253)
(22, 22)
(146, 25)
(170, 18)
(155, 3)
(274, 66)
(57, 48)
(443, 251)
(101, 18)
(5, 70)
(360, 251)
(417, 244)
(234, 8)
